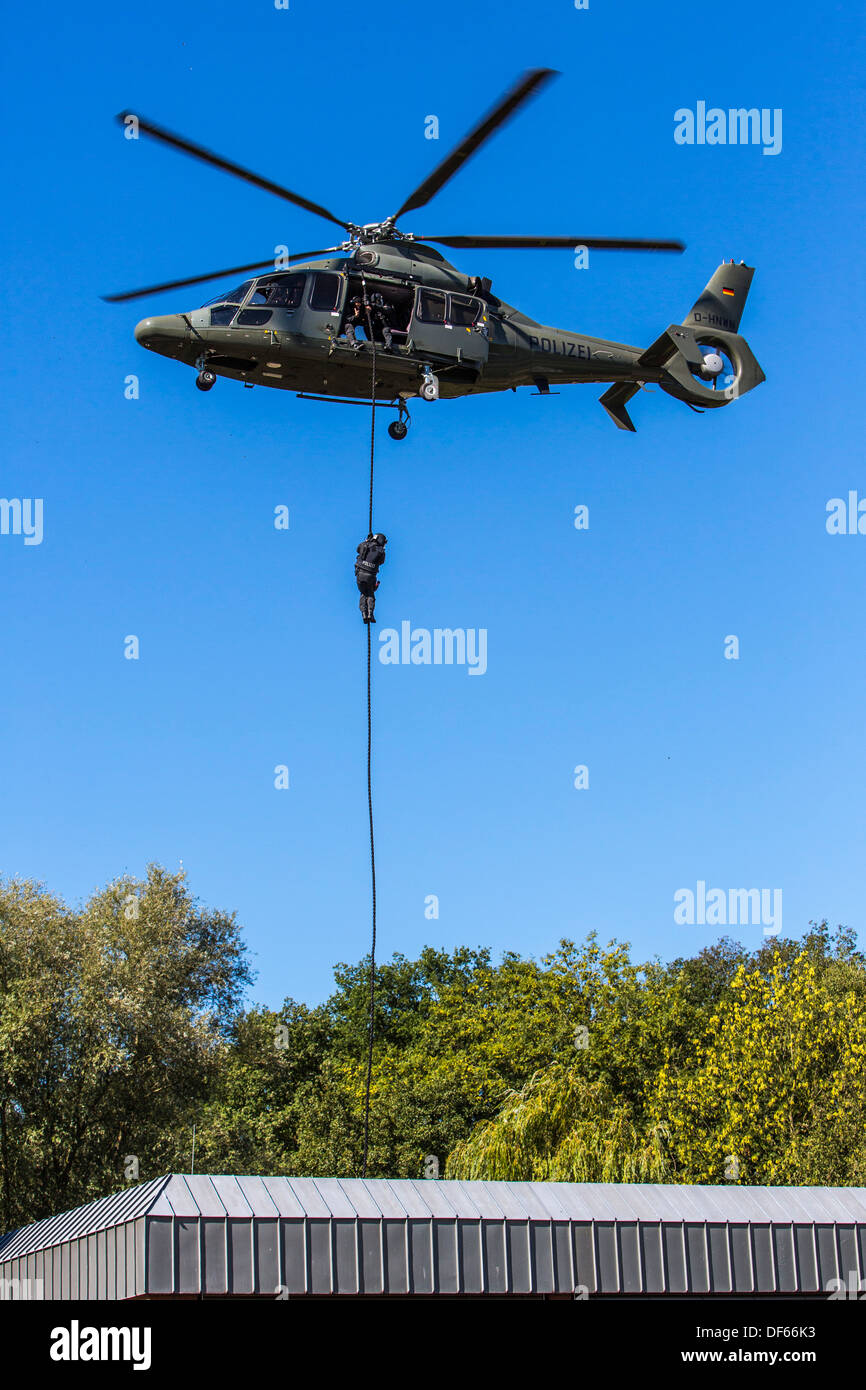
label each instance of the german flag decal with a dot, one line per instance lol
(725, 290)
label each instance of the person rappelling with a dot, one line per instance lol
(370, 555)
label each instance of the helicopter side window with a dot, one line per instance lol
(325, 292)
(253, 318)
(431, 306)
(279, 292)
(464, 312)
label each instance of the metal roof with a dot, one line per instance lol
(279, 1236)
(81, 1221)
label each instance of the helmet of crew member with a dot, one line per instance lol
(382, 540)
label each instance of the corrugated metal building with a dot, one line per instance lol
(193, 1236)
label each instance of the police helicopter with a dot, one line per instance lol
(434, 331)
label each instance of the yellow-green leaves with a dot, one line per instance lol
(781, 1059)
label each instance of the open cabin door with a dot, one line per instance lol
(452, 326)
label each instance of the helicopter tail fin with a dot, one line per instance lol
(722, 303)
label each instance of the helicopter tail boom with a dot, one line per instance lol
(687, 360)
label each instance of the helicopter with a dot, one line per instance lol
(432, 331)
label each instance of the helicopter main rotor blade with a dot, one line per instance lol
(208, 157)
(492, 243)
(514, 98)
(213, 275)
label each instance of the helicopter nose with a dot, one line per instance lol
(163, 334)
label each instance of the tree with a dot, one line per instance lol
(121, 1026)
(113, 1022)
(582, 1117)
(456, 1037)
(774, 1091)
(561, 1127)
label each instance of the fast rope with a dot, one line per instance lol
(369, 627)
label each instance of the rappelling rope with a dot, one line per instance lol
(369, 627)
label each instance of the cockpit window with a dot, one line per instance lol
(431, 306)
(464, 312)
(279, 291)
(233, 297)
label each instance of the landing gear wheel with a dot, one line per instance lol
(397, 429)
(429, 390)
(205, 380)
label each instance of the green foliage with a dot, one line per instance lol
(121, 1027)
(561, 1127)
(774, 1089)
(113, 1022)
(583, 1067)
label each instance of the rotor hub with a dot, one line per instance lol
(371, 232)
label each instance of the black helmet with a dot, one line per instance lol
(380, 538)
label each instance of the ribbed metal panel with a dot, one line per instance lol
(287, 1237)
(83, 1221)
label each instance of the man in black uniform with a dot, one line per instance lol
(371, 317)
(371, 554)
(380, 313)
(356, 318)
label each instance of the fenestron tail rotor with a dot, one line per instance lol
(717, 370)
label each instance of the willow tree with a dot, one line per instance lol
(563, 1127)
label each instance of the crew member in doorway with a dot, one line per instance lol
(371, 554)
(356, 318)
(380, 313)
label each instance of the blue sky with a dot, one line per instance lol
(605, 647)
